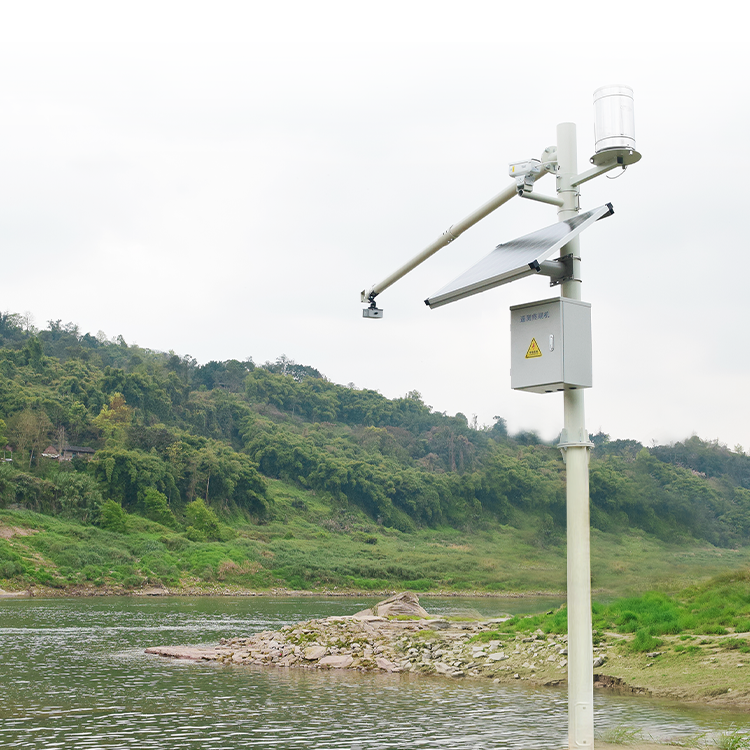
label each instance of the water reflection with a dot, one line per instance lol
(74, 675)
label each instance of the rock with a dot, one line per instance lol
(153, 591)
(340, 661)
(386, 665)
(314, 652)
(399, 605)
(654, 654)
(599, 661)
(498, 656)
(183, 652)
(367, 616)
(438, 624)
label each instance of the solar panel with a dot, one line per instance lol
(515, 259)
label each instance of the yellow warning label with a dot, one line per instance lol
(534, 350)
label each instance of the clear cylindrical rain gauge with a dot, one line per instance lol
(614, 123)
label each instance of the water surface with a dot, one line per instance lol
(73, 675)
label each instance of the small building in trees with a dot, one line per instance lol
(68, 453)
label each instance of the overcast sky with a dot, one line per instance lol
(222, 179)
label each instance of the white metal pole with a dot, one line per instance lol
(575, 446)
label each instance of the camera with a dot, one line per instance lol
(520, 169)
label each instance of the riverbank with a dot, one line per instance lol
(91, 590)
(61, 557)
(374, 641)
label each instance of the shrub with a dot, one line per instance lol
(736, 643)
(203, 519)
(712, 629)
(643, 641)
(364, 538)
(11, 563)
(156, 508)
(112, 517)
(195, 535)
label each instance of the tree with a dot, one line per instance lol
(263, 386)
(202, 520)
(78, 495)
(78, 418)
(156, 508)
(33, 353)
(500, 428)
(114, 418)
(126, 475)
(112, 517)
(286, 366)
(454, 448)
(31, 430)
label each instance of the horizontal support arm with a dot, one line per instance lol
(593, 172)
(553, 268)
(551, 199)
(455, 231)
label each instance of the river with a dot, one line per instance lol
(73, 675)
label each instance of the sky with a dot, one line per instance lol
(222, 179)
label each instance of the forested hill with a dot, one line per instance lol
(175, 440)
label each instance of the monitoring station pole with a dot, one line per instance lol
(551, 340)
(575, 446)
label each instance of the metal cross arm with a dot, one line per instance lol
(452, 233)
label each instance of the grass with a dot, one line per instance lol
(733, 739)
(715, 607)
(621, 735)
(311, 542)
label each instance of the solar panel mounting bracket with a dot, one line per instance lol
(567, 264)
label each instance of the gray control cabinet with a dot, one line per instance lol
(550, 345)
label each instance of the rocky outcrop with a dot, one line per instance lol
(404, 605)
(369, 641)
(208, 653)
(617, 685)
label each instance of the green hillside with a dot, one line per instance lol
(232, 474)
